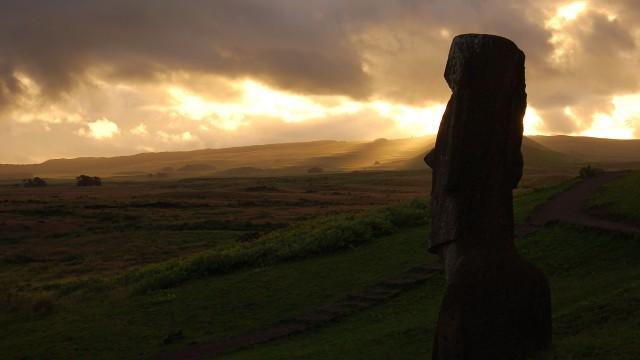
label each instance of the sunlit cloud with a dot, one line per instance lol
(185, 136)
(100, 129)
(257, 100)
(139, 130)
(563, 43)
(621, 123)
(260, 101)
(30, 108)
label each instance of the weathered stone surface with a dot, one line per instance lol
(497, 305)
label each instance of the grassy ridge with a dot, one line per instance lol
(595, 295)
(311, 238)
(619, 200)
(120, 326)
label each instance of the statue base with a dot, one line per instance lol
(495, 307)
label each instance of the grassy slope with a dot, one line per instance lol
(596, 301)
(401, 329)
(619, 200)
(66, 233)
(126, 327)
(582, 148)
(118, 325)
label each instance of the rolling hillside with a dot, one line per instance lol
(259, 160)
(327, 155)
(588, 149)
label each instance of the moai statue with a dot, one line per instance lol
(497, 305)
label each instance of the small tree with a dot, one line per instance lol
(35, 182)
(84, 180)
(588, 172)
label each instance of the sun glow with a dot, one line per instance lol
(566, 13)
(571, 11)
(533, 122)
(417, 120)
(257, 100)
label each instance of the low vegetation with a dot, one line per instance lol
(69, 233)
(619, 200)
(85, 180)
(589, 172)
(35, 182)
(252, 274)
(312, 238)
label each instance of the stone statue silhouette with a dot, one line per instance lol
(497, 305)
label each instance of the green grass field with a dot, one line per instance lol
(596, 306)
(596, 293)
(619, 200)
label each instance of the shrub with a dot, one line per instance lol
(588, 172)
(84, 180)
(315, 170)
(35, 182)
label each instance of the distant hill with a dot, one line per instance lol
(326, 155)
(258, 160)
(538, 155)
(535, 155)
(588, 149)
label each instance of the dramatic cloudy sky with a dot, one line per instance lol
(101, 78)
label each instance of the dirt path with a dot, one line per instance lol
(566, 207)
(569, 206)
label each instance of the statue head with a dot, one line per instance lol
(476, 160)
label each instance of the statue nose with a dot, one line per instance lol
(430, 158)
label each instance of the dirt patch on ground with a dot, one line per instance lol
(569, 206)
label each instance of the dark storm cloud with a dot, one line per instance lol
(392, 49)
(408, 50)
(304, 46)
(286, 43)
(10, 86)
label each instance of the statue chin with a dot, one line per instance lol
(449, 257)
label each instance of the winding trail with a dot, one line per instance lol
(567, 206)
